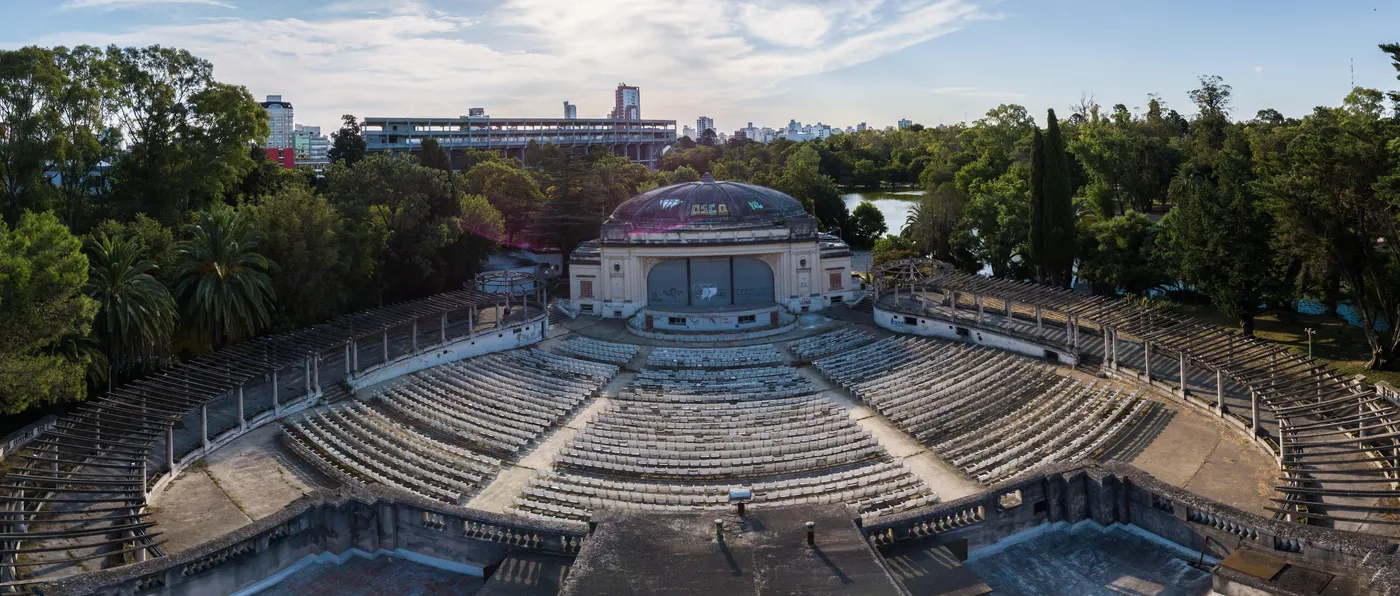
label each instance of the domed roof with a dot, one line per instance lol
(707, 204)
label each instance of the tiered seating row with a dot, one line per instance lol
(876, 360)
(993, 414)
(572, 495)
(684, 452)
(597, 351)
(825, 344)
(695, 385)
(482, 409)
(714, 357)
(498, 402)
(356, 443)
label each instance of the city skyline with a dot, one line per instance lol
(839, 61)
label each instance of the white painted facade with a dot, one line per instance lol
(802, 277)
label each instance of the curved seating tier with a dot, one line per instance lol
(714, 357)
(815, 347)
(993, 414)
(443, 432)
(356, 443)
(498, 402)
(718, 385)
(597, 351)
(684, 452)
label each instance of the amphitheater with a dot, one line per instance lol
(931, 433)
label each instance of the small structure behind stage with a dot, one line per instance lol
(709, 247)
(513, 289)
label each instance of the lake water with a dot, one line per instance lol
(894, 205)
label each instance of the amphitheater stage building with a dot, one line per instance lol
(725, 248)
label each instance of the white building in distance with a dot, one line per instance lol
(280, 134)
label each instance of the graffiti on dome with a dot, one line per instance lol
(670, 203)
(710, 209)
(755, 205)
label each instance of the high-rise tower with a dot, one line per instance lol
(627, 103)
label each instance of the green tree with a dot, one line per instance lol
(1335, 193)
(868, 174)
(1218, 238)
(42, 306)
(416, 216)
(85, 140)
(996, 225)
(684, 174)
(348, 143)
(224, 289)
(866, 224)
(188, 135)
(708, 138)
(432, 155)
(136, 314)
(802, 179)
(891, 248)
(1057, 260)
(154, 241)
(301, 232)
(1118, 255)
(933, 223)
(262, 179)
(31, 82)
(512, 191)
(1039, 227)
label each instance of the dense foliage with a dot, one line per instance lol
(1244, 214)
(142, 224)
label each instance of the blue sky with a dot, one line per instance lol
(835, 61)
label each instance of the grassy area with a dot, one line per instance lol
(1341, 345)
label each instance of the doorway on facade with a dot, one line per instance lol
(710, 281)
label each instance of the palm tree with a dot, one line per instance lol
(136, 315)
(224, 286)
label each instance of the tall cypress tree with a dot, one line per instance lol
(1037, 238)
(1058, 241)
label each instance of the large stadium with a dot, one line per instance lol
(719, 406)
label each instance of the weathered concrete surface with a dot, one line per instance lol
(247, 480)
(764, 552)
(1188, 449)
(195, 509)
(383, 575)
(1087, 559)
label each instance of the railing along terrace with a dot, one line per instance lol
(370, 520)
(80, 487)
(1117, 493)
(1336, 440)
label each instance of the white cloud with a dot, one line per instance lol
(524, 57)
(1258, 69)
(973, 92)
(800, 26)
(120, 4)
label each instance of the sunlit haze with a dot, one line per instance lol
(840, 62)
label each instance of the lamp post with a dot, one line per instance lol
(1310, 332)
